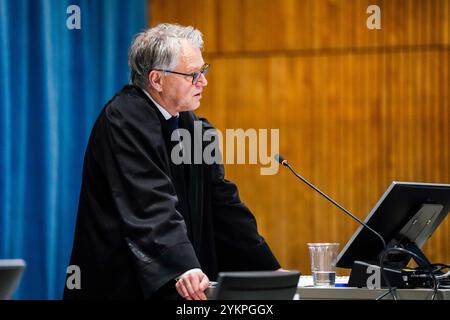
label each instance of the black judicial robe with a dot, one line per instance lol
(142, 221)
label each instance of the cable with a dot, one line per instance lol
(384, 294)
(443, 265)
(418, 259)
(443, 276)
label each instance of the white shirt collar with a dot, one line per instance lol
(163, 111)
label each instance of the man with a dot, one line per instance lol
(147, 227)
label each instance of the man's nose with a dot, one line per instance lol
(202, 81)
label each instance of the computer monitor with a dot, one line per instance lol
(256, 285)
(10, 274)
(405, 216)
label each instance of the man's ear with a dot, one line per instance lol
(155, 80)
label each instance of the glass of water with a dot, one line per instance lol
(323, 263)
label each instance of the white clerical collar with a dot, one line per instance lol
(163, 111)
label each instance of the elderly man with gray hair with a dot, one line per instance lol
(148, 227)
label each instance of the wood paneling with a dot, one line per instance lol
(356, 108)
(266, 25)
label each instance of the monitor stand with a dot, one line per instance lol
(413, 231)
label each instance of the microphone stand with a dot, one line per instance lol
(284, 162)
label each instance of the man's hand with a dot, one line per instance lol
(192, 285)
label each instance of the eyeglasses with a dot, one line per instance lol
(195, 75)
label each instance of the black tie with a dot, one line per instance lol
(173, 122)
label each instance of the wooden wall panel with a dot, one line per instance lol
(356, 109)
(238, 26)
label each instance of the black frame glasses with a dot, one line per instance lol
(195, 75)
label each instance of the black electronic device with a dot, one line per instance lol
(393, 233)
(11, 271)
(256, 285)
(405, 216)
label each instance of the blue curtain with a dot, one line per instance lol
(53, 83)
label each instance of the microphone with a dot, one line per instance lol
(284, 162)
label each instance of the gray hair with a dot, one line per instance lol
(159, 48)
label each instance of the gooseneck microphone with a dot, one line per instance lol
(284, 162)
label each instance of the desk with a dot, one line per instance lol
(347, 293)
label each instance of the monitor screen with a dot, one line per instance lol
(407, 214)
